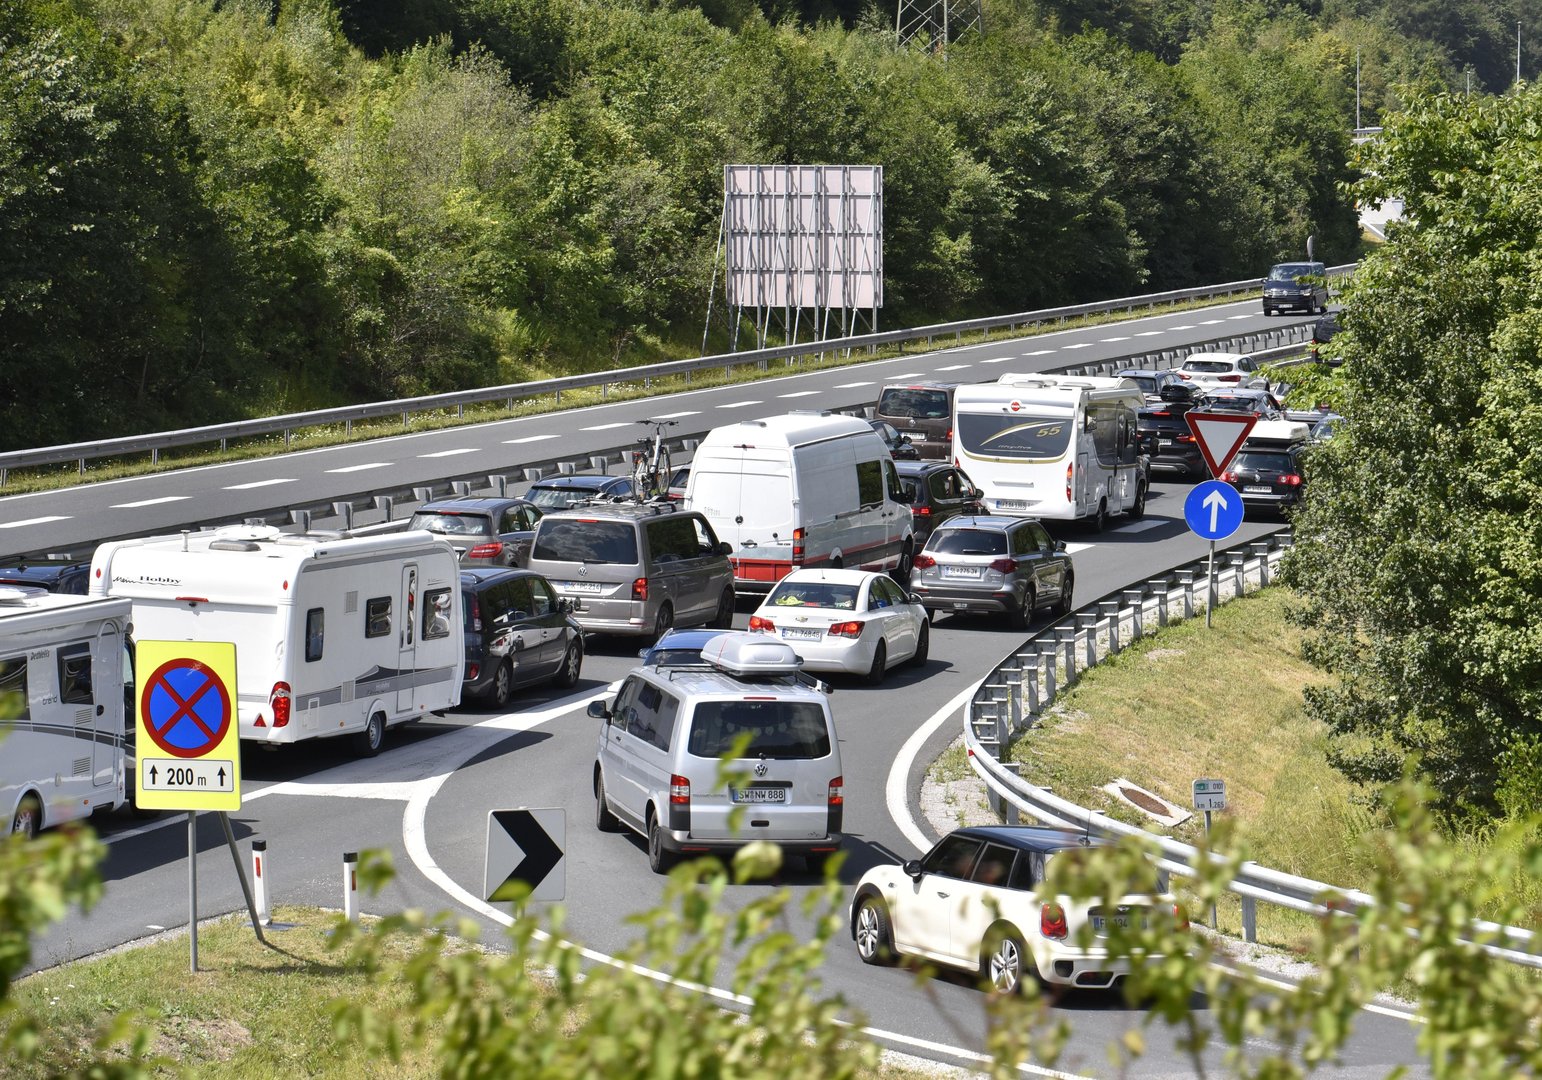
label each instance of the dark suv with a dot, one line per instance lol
(1298, 286)
(518, 632)
(483, 531)
(1269, 478)
(1164, 436)
(937, 491)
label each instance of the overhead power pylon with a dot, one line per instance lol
(937, 22)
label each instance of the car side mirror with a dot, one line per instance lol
(598, 709)
(912, 869)
(905, 439)
(1060, 545)
(724, 548)
(914, 598)
(565, 604)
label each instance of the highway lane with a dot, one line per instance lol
(144, 505)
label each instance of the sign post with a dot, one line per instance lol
(1209, 795)
(188, 747)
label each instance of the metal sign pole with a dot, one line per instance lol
(1210, 585)
(192, 886)
(246, 890)
(1207, 844)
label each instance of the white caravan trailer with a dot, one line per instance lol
(63, 672)
(334, 635)
(1053, 446)
(802, 489)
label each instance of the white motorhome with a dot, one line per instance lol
(334, 635)
(63, 673)
(1053, 446)
(802, 489)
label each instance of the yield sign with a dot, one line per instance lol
(524, 854)
(1219, 435)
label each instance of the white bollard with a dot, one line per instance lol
(351, 886)
(260, 881)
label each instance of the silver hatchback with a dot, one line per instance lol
(994, 564)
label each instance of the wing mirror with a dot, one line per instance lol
(599, 710)
(912, 869)
(724, 548)
(565, 604)
(1060, 545)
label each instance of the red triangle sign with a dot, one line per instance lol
(1219, 435)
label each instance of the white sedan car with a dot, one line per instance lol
(853, 621)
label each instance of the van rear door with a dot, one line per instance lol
(749, 502)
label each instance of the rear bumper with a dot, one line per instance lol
(682, 842)
(955, 599)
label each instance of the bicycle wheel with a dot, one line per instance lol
(662, 471)
(641, 476)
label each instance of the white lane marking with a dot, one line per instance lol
(677, 415)
(32, 521)
(260, 484)
(1149, 333)
(607, 427)
(1079, 345)
(1231, 318)
(800, 393)
(1038, 352)
(151, 502)
(1186, 326)
(998, 360)
(919, 374)
(398, 792)
(737, 404)
(530, 438)
(1109, 340)
(954, 367)
(450, 453)
(852, 385)
(1212, 322)
(362, 468)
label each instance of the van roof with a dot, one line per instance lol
(28, 607)
(786, 430)
(1277, 433)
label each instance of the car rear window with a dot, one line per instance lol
(776, 729)
(452, 523)
(825, 594)
(919, 403)
(1264, 461)
(585, 540)
(967, 542)
(557, 497)
(1207, 366)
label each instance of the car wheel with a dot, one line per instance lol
(604, 820)
(29, 817)
(901, 574)
(572, 664)
(665, 619)
(659, 857)
(503, 685)
(368, 742)
(724, 619)
(1139, 509)
(923, 647)
(875, 936)
(1100, 519)
(1023, 615)
(1006, 962)
(1063, 606)
(880, 664)
(837, 563)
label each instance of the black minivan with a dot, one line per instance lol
(518, 632)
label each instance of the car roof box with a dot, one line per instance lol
(1277, 433)
(748, 658)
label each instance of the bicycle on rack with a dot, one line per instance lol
(650, 465)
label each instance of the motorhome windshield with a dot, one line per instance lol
(1013, 435)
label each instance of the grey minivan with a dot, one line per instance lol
(636, 568)
(923, 413)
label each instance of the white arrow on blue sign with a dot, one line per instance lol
(1213, 510)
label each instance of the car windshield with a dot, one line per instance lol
(826, 594)
(1147, 383)
(585, 540)
(775, 729)
(1208, 367)
(1014, 435)
(1292, 271)
(967, 542)
(914, 402)
(452, 523)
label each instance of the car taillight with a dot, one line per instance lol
(640, 588)
(1163, 412)
(1291, 480)
(1052, 922)
(679, 790)
(472, 671)
(1230, 378)
(846, 629)
(949, 435)
(486, 551)
(759, 622)
(279, 700)
(798, 536)
(1004, 566)
(837, 786)
(1229, 477)
(1069, 472)
(923, 561)
(476, 613)
(1185, 376)
(1181, 917)
(1184, 438)
(921, 511)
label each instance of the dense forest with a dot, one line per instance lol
(210, 210)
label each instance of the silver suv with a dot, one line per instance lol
(663, 770)
(636, 568)
(994, 564)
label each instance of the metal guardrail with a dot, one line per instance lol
(347, 415)
(1018, 690)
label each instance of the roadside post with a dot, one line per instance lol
(525, 857)
(188, 748)
(1209, 795)
(1213, 509)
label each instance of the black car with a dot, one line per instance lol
(1324, 330)
(1164, 436)
(1151, 381)
(1260, 403)
(59, 577)
(937, 491)
(1269, 478)
(1296, 286)
(518, 632)
(562, 492)
(899, 445)
(484, 531)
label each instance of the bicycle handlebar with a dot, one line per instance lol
(659, 423)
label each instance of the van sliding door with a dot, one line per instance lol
(407, 636)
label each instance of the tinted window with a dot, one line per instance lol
(436, 614)
(953, 856)
(315, 634)
(917, 402)
(869, 483)
(672, 539)
(625, 707)
(1027, 872)
(13, 687)
(967, 542)
(1013, 435)
(945, 486)
(995, 865)
(559, 497)
(541, 600)
(891, 478)
(776, 729)
(517, 593)
(1041, 538)
(75, 675)
(1147, 383)
(1264, 461)
(583, 540)
(1209, 367)
(447, 523)
(706, 539)
(377, 616)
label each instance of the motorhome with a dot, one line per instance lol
(65, 679)
(335, 635)
(1053, 446)
(802, 489)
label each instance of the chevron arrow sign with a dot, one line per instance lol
(525, 859)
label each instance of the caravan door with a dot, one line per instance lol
(407, 655)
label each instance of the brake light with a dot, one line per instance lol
(1229, 476)
(758, 622)
(798, 536)
(1069, 472)
(923, 561)
(486, 551)
(1184, 438)
(640, 588)
(476, 613)
(1052, 922)
(679, 790)
(1160, 412)
(949, 437)
(1181, 917)
(1004, 566)
(1230, 378)
(1184, 375)
(1291, 480)
(921, 511)
(279, 700)
(472, 671)
(837, 786)
(846, 629)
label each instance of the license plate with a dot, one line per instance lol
(959, 605)
(801, 634)
(580, 586)
(1011, 504)
(961, 572)
(915, 436)
(758, 794)
(1255, 490)
(1103, 922)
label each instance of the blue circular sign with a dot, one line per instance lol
(186, 708)
(1213, 509)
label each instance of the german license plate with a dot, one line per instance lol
(1256, 490)
(798, 633)
(961, 572)
(758, 794)
(581, 586)
(915, 436)
(1011, 504)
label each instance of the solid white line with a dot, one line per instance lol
(894, 789)
(261, 484)
(450, 453)
(32, 521)
(362, 468)
(151, 502)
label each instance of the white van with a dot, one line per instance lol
(802, 489)
(334, 635)
(64, 682)
(1054, 447)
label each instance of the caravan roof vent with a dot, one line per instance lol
(747, 658)
(19, 595)
(224, 544)
(249, 533)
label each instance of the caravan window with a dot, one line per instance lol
(869, 483)
(13, 688)
(436, 614)
(75, 674)
(315, 632)
(377, 616)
